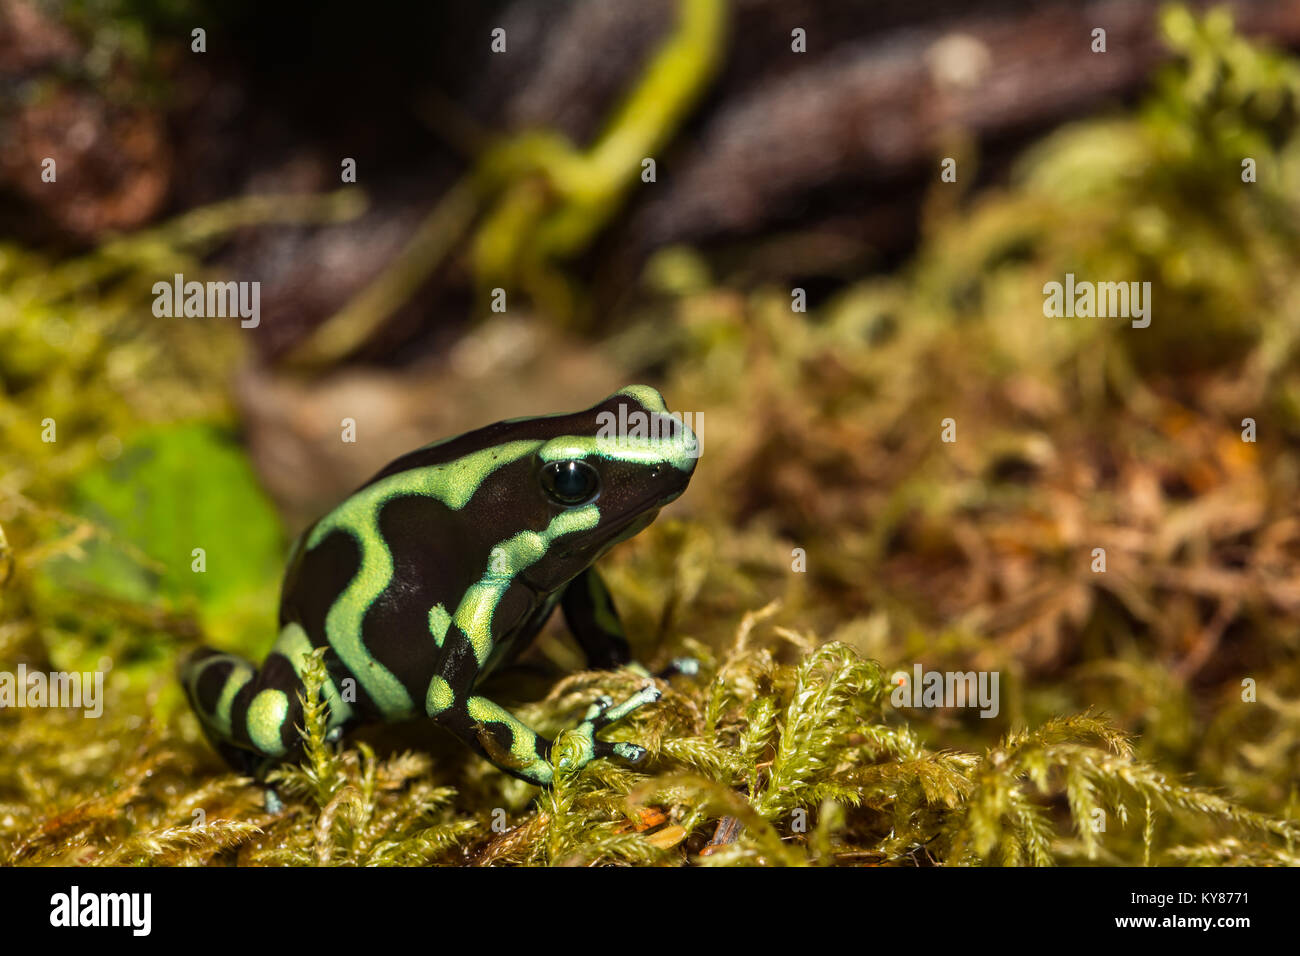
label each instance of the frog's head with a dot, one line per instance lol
(603, 476)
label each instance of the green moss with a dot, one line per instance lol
(807, 756)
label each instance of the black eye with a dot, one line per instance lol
(570, 482)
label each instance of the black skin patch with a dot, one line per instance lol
(212, 680)
(315, 578)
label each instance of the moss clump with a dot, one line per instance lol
(806, 757)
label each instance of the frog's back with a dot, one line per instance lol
(365, 580)
(393, 560)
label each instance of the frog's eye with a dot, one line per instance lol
(570, 482)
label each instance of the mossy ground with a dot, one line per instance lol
(1128, 731)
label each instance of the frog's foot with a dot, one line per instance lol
(271, 800)
(583, 745)
(687, 666)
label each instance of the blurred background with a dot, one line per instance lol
(796, 145)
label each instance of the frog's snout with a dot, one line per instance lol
(679, 441)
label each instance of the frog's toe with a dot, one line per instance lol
(687, 666)
(271, 800)
(612, 713)
(628, 753)
(632, 753)
(598, 707)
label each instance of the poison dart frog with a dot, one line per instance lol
(442, 568)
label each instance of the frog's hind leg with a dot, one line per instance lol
(249, 716)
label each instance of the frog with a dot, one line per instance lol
(440, 570)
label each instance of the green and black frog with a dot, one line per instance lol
(443, 567)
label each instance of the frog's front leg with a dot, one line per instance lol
(506, 740)
(519, 750)
(594, 622)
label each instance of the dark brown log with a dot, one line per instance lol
(870, 113)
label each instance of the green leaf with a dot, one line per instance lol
(183, 522)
